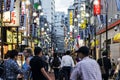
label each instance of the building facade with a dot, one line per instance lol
(113, 28)
(59, 31)
(49, 9)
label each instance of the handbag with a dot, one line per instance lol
(103, 68)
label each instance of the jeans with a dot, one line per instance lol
(56, 73)
(118, 76)
(67, 72)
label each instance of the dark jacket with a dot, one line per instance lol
(107, 64)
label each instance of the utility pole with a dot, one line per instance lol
(2, 32)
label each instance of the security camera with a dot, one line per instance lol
(115, 28)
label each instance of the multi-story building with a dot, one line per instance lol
(113, 27)
(49, 9)
(59, 31)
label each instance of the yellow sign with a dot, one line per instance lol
(9, 36)
(71, 18)
(15, 38)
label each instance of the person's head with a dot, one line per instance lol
(7, 55)
(83, 52)
(28, 52)
(67, 52)
(105, 53)
(38, 51)
(55, 55)
(13, 54)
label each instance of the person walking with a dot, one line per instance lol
(67, 64)
(105, 65)
(26, 67)
(38, 66)
(12, 69)
(87, 68)
(56, 65)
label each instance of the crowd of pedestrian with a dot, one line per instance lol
(38, 65)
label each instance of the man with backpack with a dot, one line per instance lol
(56, 65)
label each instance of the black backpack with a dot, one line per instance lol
(56, 62)
(1, 68)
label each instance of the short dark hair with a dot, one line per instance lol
(105, 53)
(13, 53)
(29, 51)
(37, 50)
(7, 55)
(67, 52)
(83, 50)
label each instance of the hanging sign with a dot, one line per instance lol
(97, 7)
(8, 5)
(15, 16)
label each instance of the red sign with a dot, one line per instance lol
(97, 7)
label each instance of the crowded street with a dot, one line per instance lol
(59, 39)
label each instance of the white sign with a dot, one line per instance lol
(15, 16)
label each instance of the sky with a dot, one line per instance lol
(62, 5)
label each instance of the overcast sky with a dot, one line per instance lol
(62, 5)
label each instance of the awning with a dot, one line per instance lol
(93, 43)
(116, 38)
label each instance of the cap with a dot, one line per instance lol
(83, 50)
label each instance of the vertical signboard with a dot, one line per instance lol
(71, 18)
(97, 7)
(8, 5)
(15, 16)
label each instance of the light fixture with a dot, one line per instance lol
(96, 2)
(27, 2)
(75, 20)
(34, 14)
(41, 14)
(82, 8)
(87, 15)
(45, 24)
(78, 16)
(79, 24)
(39, 7)
(82, 21)
(47, 29)
(42, 29)
(37, 19)
(75, 30)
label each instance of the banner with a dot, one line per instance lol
(118, 4)
(23, 20)
(97, 7)
(8, 5)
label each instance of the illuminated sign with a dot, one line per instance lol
(97, 8)
(15, 16)
(6, 17)
(9, 36)
(71, 18)
(15, 38)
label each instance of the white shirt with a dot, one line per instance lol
(67, 61)
(86, 69)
